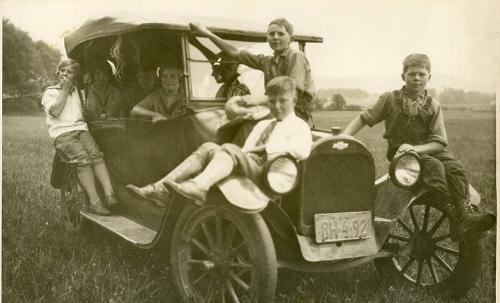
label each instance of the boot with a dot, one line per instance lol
(98, 208)
(192, 165)
(196, 189)
(468, 220)
(156, 193)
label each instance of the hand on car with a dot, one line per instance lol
(406, 148)
(159, 117)
(199, 29)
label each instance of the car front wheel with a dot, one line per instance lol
(218, 255)
(429, 255)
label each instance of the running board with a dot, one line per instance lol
(127, 229)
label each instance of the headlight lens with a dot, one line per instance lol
(405, 170)
(282, 175)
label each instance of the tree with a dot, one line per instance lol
(27, 65)
(338, 102)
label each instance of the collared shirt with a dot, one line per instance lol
(291, 135)
(426, 126)
(232, 88)
(110, 103)
(71, 117)
(169, 106)
(292, 63)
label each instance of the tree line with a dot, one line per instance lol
(28, 66)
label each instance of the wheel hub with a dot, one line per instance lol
(421, 245)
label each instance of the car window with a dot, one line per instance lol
(203, 84)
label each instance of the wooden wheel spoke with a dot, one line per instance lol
(208, 235)
(443, 263)
(441, 238)
(231, 291)
(407, 265)
(241, 265)
(406, 227)
(419, 272)
(437, 224)
(200, 246)
(234, 250)
(400, 238)
(229, 235)
(239, 281)
(426, 217)
(447, 250)
(219, 234)
(203, 275)
(210, 291)
(433, 271)
(413, 218)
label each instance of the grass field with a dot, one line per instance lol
(41, 262)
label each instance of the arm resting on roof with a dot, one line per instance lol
(225, 46)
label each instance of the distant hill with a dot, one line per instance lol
(382, 83)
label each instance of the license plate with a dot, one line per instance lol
(335, 227)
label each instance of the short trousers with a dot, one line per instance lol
(78, 148)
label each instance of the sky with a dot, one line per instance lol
(364, 41)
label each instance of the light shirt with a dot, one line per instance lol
(71, 117)
(291, 135)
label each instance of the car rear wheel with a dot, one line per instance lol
(429, 257)
(72, 201)
(218, 255)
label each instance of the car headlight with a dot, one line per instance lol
(405, 170)
(282, 174)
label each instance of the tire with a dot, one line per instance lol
(218, 255)
(430, 258)
(72, 201)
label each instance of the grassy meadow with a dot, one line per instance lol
(42, 262)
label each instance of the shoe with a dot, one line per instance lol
(99, 209)
(470, 221)
(190, 190)
(474, 222)
(111, 200)
(150, 192)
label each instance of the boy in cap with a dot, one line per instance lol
(210, 163)
(71, 138)
(414, 122)
(285, 61)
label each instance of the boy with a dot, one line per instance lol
(284, 133)
(285, 61)
(165, 102)
(414, 122)
(103, 100)
(71, 138)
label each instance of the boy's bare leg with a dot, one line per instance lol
(86, 178)
(102, 174)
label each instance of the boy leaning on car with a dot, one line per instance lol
(210, 163)
(71, 137)
(285, 61)
(414, 122)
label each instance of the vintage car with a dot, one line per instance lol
(324, 214)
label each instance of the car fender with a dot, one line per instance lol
(391, 201)
(243, 194)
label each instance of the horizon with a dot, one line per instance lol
(363, 45)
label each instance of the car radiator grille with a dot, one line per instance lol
(335, 183)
